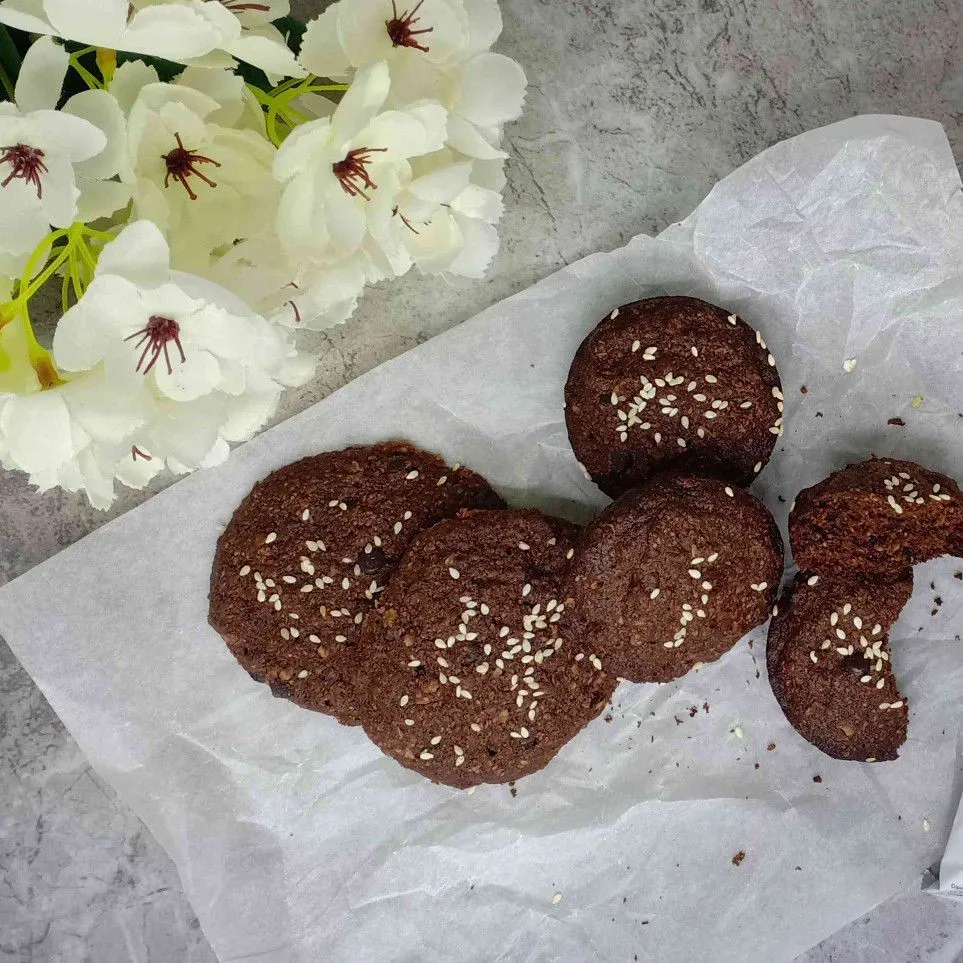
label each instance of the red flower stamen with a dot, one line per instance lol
(400, 28)
(237, 6)
(136, 453)
(404, 220)
(27, 163)
(182, 163)
(352, 172)
(155, 336)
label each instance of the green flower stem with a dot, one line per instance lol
(89, 79)
(278, 104)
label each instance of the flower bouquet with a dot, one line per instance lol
(199, 181)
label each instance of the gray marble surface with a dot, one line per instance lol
(635, 109)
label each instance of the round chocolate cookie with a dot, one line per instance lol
(672, 383)
(470, 673)
(875, 519)
(674, 574)
(307, 553)
(829, 665)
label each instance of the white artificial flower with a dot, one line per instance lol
(209, 32)
(436, 49)
(162, 370)
(48, 156)
(442, 221)
(299, 294)
(195, 170)
(331, 168)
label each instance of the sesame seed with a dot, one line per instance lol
(772, 361)
(426, 755)
(412, 475)
(849, 365)
(454, 573)
(413, 664)
(635, 347)
(294, 633)
(654, 594)
(695, 573)
(524, 546)
(732, 319)
(441, 481)
(245, 571)
(435, 740)
(757, 467)
(730, 492)
(711, 379)
(303, 674)
(884, 705)
(712, 557)
(812, 580)
(305, 515)
(270, 538)
(681, 442)
(556, 899)
(866, 678)
(397, 528)
(695, 352)
(285, 634)
(847, 608)
(880, 684)
(775, 611)
(526, 590)
(813, 657)
(834, 618)
(895, 505)
(896, 705)
(614, 314)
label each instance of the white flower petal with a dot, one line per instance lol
(344, 219)
(362, 31)
(436, 244)
(306, 147)
(102, 111)
(321, 50)
(131, 77)
(248, 413)
(37, 432)
(442, 186)
(26, 15)
(484, 24)
(479, 247)
(60, 192)
(172, 32)
(139, 254)
(491, 89)
(101, 199)
(264, 47)
(361, 102)
(73, 137)
(89, 330)
(137, 471)
(24, 223)
(224, 87)
(99, 22)
(449, 30)
(475, 201)
(402, 134)
(101, 412)
(218, 454)
(197, 375)
(42, 76)
(466, 138)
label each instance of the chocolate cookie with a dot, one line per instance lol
(672, 383)
(470, 673)
(829, 665)
(876, 518)
(307, 553)
(674, 574)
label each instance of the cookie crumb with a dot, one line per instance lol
(556, 899)
(770, 747)
(738, 858)
(817, 778)
(897, 422)
(849, 365)
(804, 389)
(917, 401)
(926, 825)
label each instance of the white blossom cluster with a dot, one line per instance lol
(197, 221)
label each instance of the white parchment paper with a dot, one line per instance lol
(298, 841)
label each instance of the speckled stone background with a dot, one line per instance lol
(635, 109)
